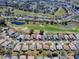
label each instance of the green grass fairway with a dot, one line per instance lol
(48, 28)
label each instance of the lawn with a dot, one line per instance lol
(48, 28)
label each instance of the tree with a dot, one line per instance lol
(31, 31)
(41, 32)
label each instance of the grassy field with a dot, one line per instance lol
(48, 28)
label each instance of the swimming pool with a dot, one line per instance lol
(18, 23)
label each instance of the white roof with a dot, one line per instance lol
(14, 57)
(25, 47)
(52, 47)
(17, 47)
(27, 36)
(6, 43)
(66, 37)
(32, 47)
(20, 36)
(45, 46)
(10, 32)
(63, 57)
(72, 46)
(23, 57)
(30, 57)
(2, 40)
(55, 58)
(39, 57)
(38, 36)
(77, 36)
(71, 36)
(47, 58)
(77, 45)
(55, 36)
(5, 57)
(59, 46)
(39, 46)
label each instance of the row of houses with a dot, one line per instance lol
(40, 36)
(23, 47)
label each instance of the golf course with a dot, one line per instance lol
(48, 28)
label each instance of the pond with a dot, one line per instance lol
(18, 23)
